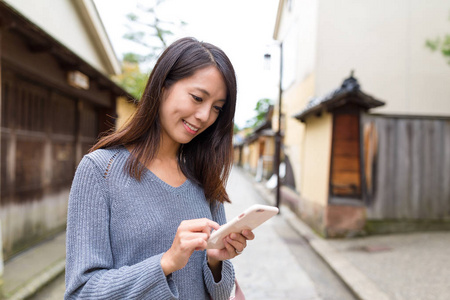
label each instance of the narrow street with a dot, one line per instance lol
(278, 264)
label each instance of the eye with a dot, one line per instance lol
(218, 108)
(196, 98)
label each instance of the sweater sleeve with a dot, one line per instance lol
(222, 289)
(90, 272)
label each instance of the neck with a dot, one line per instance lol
(167, 150)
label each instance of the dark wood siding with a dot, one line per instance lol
(38, 139)
(44, 134)
(345, 157)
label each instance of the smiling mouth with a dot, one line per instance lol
(191, 127)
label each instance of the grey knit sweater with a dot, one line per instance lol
(118, 228)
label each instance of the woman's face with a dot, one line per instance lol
(191, 105)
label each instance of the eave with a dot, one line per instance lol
(348, 93)
(37, 40)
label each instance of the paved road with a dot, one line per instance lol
(267, 269)
(278, 264)
(328, 285)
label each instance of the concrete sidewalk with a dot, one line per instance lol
(34, 268)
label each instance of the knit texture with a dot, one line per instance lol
(118, 228)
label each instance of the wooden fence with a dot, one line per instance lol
(406, 167)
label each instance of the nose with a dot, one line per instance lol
(203, 113)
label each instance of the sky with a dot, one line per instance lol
(241, 28)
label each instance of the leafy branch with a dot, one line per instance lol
(145, 28)
(261, 109)
(149, 30)
(441, 44)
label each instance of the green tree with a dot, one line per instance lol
(261, 109)
(131, 78)
(236, 128)
(147, 29)
(441, 44)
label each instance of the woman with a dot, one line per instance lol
(144, 201)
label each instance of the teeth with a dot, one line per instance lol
(190, 126)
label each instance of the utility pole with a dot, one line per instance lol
(278, 133)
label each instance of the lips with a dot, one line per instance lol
(191, 127)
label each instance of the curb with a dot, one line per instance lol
(359, 284)
(44, 278)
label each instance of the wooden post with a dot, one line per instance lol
(1, 92)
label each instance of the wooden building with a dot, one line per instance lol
(255, 151)
(387, 173)
(357, 171)
(54, 105)
(342, 110)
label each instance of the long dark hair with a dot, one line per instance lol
(206, 159)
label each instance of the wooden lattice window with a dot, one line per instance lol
(63, 114)
(63, 166)
(6, 103)
(29, 167)
(28, 107)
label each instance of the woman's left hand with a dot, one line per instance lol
(234, 243)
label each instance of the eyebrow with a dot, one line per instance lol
(207, 93)
(203, 91)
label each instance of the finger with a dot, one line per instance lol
(238, 244)
(196, 235)
(206, 225)
(230, 248)
(238, 237)
(188, 235)
(193, 244)
(248, 234)
(213, 225)
(199, 225)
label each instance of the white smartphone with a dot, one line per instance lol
(251, 218)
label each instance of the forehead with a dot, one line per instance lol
(208, 81)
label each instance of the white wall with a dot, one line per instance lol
(63, 22)
(384, 42)
(298, 31)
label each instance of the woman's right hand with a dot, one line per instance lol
(191, 235)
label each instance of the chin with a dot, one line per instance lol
(185, 140)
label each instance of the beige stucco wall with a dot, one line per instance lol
(253, 156)
(125, 110)
(250, 155)
(316, 157)
(268, 155)
(269, 147)
(63, 21)
(245, 156)
(294, 100)
(384, 42)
